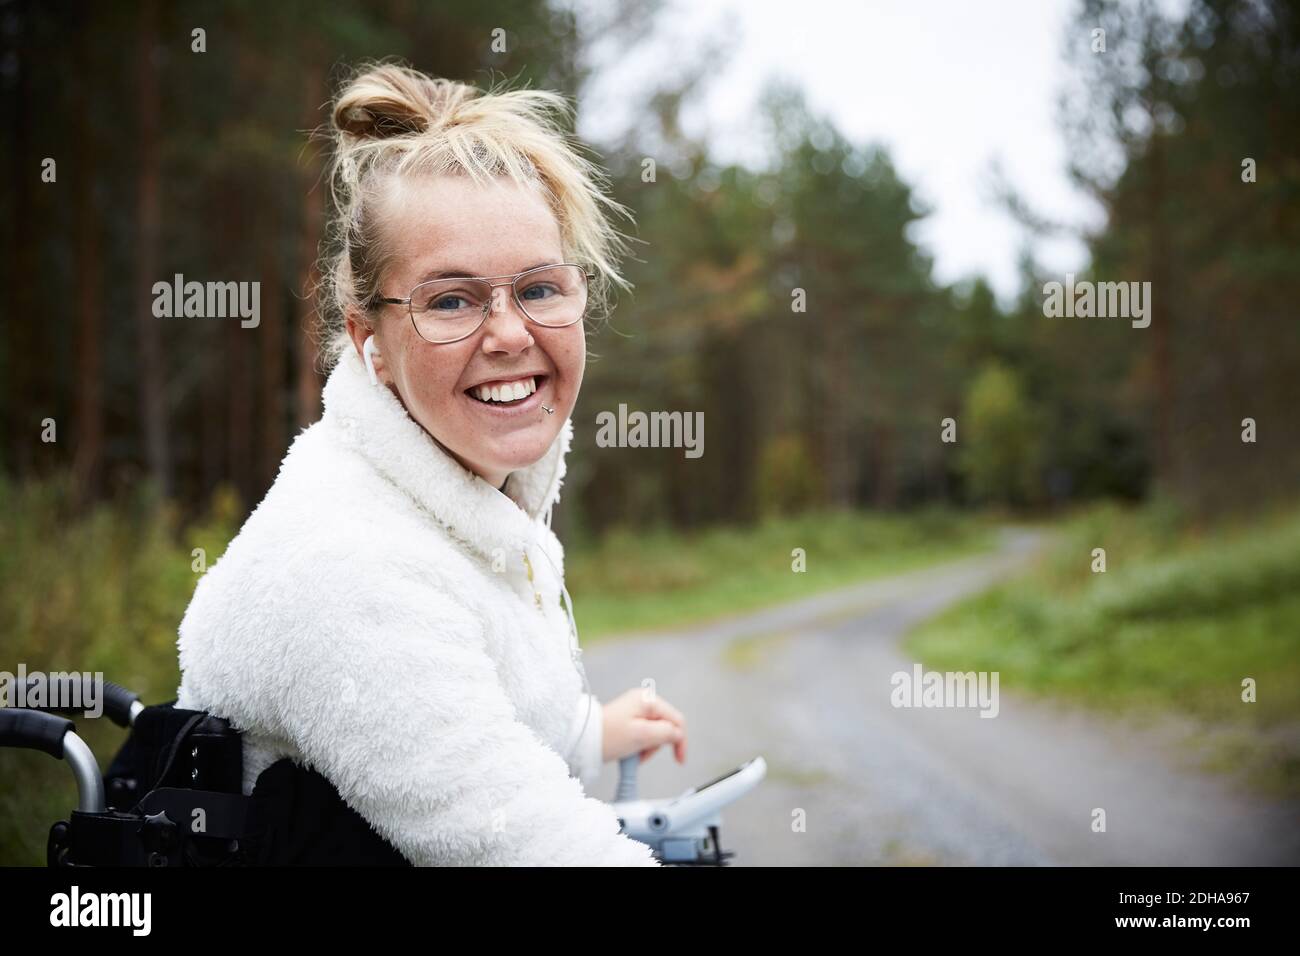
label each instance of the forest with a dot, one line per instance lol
(132, 159)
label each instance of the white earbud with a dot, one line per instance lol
(368, 352)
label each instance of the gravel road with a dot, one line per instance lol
(807, 686)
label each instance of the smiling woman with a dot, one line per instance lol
(404, 553)
(430, 223)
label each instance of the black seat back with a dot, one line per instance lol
(295, 816)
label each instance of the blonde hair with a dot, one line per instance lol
(390, 120)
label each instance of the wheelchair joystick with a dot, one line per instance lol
(682, 830)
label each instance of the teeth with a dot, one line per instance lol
(510, 392)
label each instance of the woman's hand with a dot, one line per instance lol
(639, 720)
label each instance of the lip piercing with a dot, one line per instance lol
(549, 410)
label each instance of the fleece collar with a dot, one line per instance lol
(370, 419)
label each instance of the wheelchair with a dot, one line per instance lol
(173, 796)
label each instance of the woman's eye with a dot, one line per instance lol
(451, 303)
(538, 291)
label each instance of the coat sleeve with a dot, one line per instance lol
(586, 740)
(406, 716)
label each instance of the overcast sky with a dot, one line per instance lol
(948, 86)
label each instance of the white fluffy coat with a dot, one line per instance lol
(375, 619)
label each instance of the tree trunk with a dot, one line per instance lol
(237, 382)
(87, 457)
(153, 409)
(212, 449)
(24, 177)
(1162, 357)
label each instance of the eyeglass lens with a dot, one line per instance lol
(448, 309)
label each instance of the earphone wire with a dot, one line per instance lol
(575, 654)
(574, 645)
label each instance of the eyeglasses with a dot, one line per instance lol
(448, 310)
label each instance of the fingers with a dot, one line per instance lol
(659, 722)
(652, 734)
(660, 708)
(668, 713)
(679, 752)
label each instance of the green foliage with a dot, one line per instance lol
(633, 580)
(102, 590)
(1160, 143)
(1000, 437)
(785, 477)
(1181, 616)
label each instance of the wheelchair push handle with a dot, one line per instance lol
(56, 736)
(120, 705)
(34, 730)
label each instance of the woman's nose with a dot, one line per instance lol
(507, 326)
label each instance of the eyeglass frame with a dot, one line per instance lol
(487, 305)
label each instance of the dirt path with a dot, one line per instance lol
(807, 685)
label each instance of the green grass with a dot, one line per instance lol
(633, 582)
(102, 591)
(1181, 616)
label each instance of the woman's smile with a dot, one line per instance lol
(509, 395)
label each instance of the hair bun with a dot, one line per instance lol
(369, 123)
(391, 100)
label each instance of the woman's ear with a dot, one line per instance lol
(367, 346)
(357, 331)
